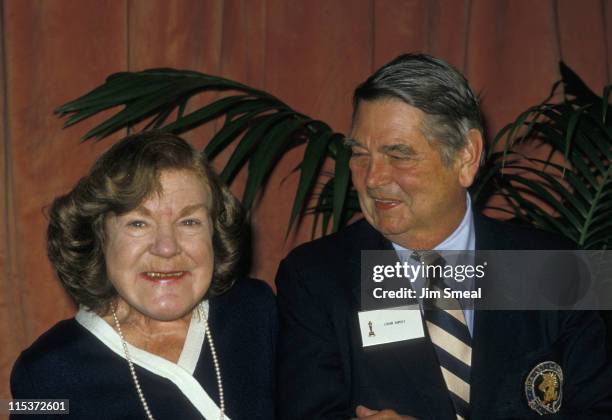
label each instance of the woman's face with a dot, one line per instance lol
(159, 256)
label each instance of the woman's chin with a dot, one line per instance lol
(168, 312)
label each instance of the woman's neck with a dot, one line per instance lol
(162, 338)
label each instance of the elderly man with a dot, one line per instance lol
(417, 142)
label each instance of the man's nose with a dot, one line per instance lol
(379, 173)
(166, 242)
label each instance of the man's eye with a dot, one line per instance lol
(137, 224)
(400, 157)
(357, 154)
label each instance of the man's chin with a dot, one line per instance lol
(390, 230)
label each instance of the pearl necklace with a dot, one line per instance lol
(203, 316)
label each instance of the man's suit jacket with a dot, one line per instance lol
(324, 372)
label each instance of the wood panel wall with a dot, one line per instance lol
(311, 53)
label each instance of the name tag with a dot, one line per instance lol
(384, 326)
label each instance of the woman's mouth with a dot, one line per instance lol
(163, 276)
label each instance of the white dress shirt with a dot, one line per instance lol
(462, 239)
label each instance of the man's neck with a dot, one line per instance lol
(437, 236)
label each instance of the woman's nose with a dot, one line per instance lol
(165, 243)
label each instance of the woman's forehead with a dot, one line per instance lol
(174, 189)
(185, 186)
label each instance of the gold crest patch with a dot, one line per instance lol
(544, 388)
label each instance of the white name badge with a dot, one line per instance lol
(384, 326)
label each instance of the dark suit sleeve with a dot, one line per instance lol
(269, 403)
(312, 383)
(588, 369)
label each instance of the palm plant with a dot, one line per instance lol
(263, 126)
(570, 196)
(569, 189)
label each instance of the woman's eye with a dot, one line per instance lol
(191, 222)
(137, 224)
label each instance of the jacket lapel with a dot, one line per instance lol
(415, 360)
(487, 340)
(366, 239)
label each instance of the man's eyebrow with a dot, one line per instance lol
(351, 142)
(404, 149)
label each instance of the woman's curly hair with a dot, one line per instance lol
(119, 181)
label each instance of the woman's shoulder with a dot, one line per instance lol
(249, 301)
(54, 351)
(55, 341)
(249, 290)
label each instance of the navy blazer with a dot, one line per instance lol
(69, 362)
(324, 372)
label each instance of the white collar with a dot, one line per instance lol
(180, 373)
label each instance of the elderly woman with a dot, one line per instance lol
(149, 245)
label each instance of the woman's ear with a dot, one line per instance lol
(469, 157)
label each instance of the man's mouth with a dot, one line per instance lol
(386, 204)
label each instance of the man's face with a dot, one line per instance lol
(405, 190)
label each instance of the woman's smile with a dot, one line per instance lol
(164, 277)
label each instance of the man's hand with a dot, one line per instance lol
(365, 413)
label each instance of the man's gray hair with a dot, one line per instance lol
(436, 88)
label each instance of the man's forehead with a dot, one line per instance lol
(389, 117)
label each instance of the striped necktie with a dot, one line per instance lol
(450, 336)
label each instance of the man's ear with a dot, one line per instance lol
(469, 157)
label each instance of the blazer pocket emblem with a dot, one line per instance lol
(544, 388)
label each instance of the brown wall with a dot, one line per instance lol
(311, 53)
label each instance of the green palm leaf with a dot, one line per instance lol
(579, 190)
(262, 127)
(314, 154)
